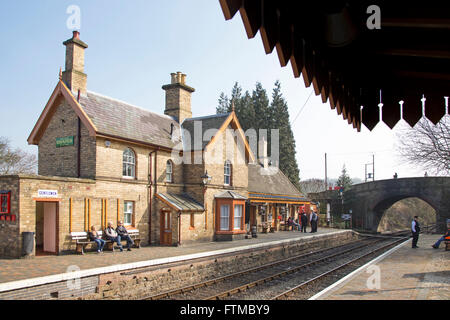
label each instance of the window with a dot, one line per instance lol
(128, 207)
(169, 168)
(129, 163)
(238, 217)
(5, 202)
(227, 173)
(224, 217)
(192, 221)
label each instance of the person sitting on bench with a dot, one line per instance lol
(444, 237)
(112, 235)
(93, 236)
(123, 234)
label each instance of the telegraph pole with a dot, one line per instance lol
(373, 167)
(326, 179)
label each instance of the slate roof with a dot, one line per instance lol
(182, 202)
(276, 186)
(208, 122)
(230, 195)
(120, 119)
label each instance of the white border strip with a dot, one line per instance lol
(350, 275)
(20, 284)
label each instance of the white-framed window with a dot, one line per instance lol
(129, 163)
(224, 217)
(227, 173)
(238, 217)
(169, 171)
(128, 208)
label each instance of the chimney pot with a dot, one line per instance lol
(76, 35)
(173, 78)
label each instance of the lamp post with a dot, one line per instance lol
(206, 179)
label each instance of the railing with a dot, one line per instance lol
(429, 229)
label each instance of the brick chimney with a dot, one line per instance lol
(263, 158)
(74, 76)
(178, 97)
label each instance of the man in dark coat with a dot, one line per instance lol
(304, 220)
(123, 233)
(415, 229)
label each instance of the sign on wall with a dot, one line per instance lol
(64, 141)
(47, 193)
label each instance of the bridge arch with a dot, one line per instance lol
(369, 201)
(384, 205)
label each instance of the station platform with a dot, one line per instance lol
(405, 274)
(22, 273)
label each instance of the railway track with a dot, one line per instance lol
(311, 286)
(234, 285)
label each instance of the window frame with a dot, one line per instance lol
(227, 174)
(169, 163)
(125, 213)
(221, 228)
(127, 164)
(8, 202)
(238, 218)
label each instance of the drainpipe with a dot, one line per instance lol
(179, 227)
(150, 196)
(79, 142)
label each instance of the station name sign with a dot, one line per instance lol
(47, 193)
(64, 141)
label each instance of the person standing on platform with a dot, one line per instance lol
(304, 221)
(415, 229)
(313, 221)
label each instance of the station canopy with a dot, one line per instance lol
(356, 66)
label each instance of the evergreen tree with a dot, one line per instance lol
(344, 179)
(256, 112)
(280, 120)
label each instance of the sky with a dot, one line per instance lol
(133, 48)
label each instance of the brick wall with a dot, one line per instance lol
(10, 240)
(62, 161)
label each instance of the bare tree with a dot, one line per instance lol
(427, 145)
(15, 161)
(312, 186)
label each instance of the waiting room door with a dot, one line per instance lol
(165, 228)
(50, 220)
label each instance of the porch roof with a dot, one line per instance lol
(180, 202)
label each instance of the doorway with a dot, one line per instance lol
(46, 228)
(165, 228)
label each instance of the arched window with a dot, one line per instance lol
(227, 173)
(129, 163)
(169, 171)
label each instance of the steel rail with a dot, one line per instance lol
(304, 284)
(189, 288)
(252, 284)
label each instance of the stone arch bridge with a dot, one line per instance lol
(368, 201)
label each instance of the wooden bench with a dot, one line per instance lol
(82, 240)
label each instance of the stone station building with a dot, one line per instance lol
(101, 159)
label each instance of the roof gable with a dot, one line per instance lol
(60, 92)
(219, 122)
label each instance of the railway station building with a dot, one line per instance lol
(101, 160)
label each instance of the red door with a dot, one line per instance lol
(165, 228)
